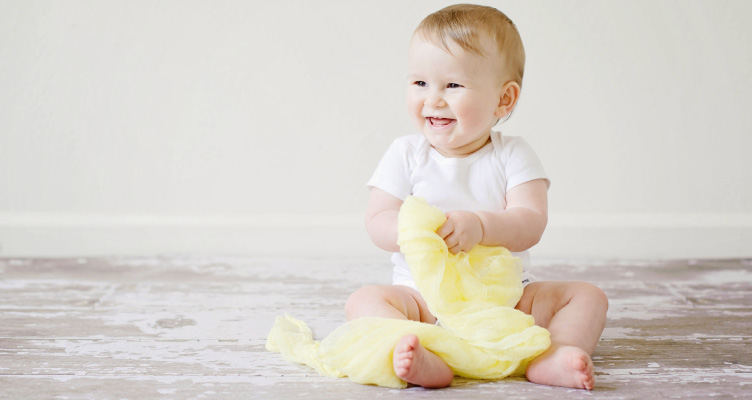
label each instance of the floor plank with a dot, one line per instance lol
(194, 327)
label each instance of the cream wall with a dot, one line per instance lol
(242, 127)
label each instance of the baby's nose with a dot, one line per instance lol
(436, 100)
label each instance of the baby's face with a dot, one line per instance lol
(453, 99)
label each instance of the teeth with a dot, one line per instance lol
(438, 121)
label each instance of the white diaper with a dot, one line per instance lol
(402, 275)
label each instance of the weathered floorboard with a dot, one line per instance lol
(194, 327)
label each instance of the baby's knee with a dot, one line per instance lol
(593, 293)
(360, 300)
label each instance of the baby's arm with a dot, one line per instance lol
(521, 225)
(518, 228)
(381, 219)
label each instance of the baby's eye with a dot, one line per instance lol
(454, 86)
(420, 83)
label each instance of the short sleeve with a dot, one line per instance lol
(392, 174)
(521, 164)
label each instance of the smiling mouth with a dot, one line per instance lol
(440, 122)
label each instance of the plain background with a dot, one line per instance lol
(248, 127)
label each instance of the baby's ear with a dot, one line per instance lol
(510, 92)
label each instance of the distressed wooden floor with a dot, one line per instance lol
(190, 327)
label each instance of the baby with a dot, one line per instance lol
(465, 74)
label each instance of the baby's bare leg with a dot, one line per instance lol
(388, 301)
(411, 361)
(575, 314)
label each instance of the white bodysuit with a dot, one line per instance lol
(478, 182)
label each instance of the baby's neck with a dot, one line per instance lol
(462, 154)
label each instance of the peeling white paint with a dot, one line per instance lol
(645, 315)
(727, 276)
(612, 332)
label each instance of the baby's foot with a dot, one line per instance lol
(418, 365)
(566, 366)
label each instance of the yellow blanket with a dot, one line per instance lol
(472, 294)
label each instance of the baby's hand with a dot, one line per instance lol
(462, 231)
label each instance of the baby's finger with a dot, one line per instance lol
(451, 240)
(445, 229)
(466, 248)
(455, 249)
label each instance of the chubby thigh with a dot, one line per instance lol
(388, 301)
(542, 300)
(574, 312)
(403, 302)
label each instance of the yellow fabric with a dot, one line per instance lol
(473, 295)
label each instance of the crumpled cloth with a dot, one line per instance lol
(473, 295)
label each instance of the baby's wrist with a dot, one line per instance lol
(484, 228)
(480, 225)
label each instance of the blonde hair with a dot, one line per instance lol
(467, 24)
